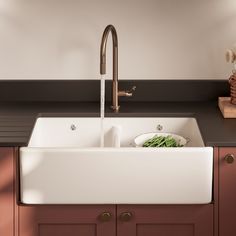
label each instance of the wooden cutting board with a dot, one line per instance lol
(228, 110)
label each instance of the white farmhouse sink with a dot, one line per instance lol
(63, 163)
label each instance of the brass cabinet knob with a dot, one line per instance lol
(229, 158)
(105, 216)
(126, 216)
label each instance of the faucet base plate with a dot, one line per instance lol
(115, 108)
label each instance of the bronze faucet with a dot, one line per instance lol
(115, 91)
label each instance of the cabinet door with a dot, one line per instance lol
(6, 191)
(67, 221)
(227, 192)
(163, 220)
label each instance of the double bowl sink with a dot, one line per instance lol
(64, 163)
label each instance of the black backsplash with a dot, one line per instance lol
(89, 90)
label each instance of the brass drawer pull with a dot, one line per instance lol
(126, 216)
(105, 216)
(229, 158)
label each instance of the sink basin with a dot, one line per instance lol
(63, 163)
(86, 132)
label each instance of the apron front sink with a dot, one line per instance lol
(63, 164)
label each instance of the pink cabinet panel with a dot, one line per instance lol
(66, 221)
(227, 192)
(156, 220)
(7, 191)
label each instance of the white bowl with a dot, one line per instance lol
(141, 139)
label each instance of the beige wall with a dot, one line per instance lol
(158, 39)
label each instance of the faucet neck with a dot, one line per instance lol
(108, 29)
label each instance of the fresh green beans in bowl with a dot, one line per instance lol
(159, 140)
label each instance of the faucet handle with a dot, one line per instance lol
(127, 93)
(132, 89)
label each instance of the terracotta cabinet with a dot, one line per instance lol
(130, 220)
(156, 220)
(67, 220)
(227, 191)
(7, 192)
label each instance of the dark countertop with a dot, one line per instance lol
(17, 118)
